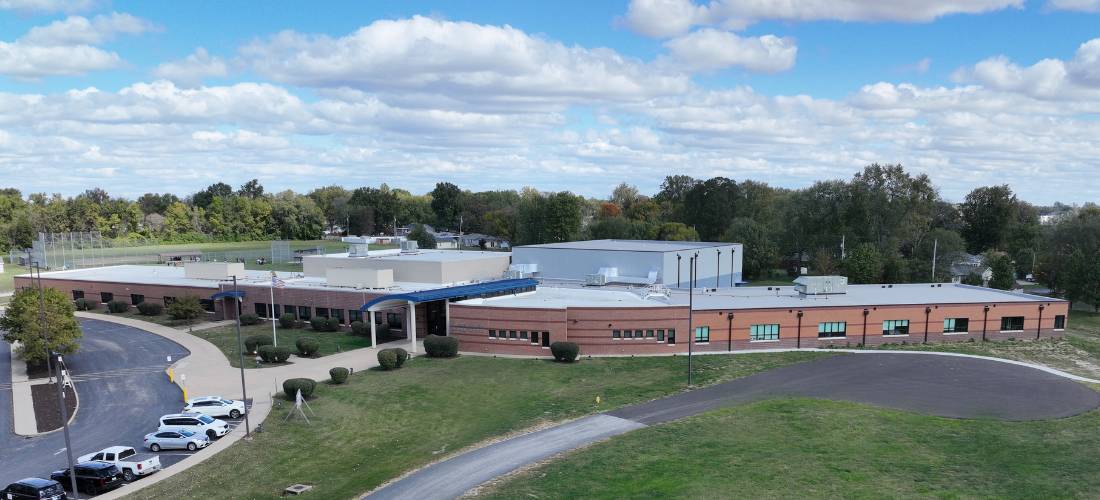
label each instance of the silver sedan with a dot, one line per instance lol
(175, 440)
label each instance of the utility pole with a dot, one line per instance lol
(240, 352)
(692, 262)
(60, 379)
(935, 249)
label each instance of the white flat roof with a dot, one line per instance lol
(556, 295)
(631, 245)
(421, 255)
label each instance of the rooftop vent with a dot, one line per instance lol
(821, 285)
(409, 246)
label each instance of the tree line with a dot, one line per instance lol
(881, 225)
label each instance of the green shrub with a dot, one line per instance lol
(307, 346)
(253, 342)
(118, 306)
(188, 308)
(437, 346)
(565, 352)
(360, 328)
(250, 319)
(83, 304)
(150, 309)
(387, 359)
(286, 320)
(272, 354)
(402, 356)
(291, 386)
(322, 324)
(333, 325)
(339, 374)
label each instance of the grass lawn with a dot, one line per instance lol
(7, 278)
(382, 424)
(1078, 352)
(225, 337)
(824, 449)
(160, 319)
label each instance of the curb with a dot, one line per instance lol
(76, 395)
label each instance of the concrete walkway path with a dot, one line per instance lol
(208, 372)
(950, 386)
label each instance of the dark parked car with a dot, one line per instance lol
(33, 487)
(92, 478)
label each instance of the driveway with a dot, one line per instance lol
(946, 386)
(119, 378)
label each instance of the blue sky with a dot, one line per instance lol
(555, 95)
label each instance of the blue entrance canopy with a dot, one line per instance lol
(474, 290)
(228, 294)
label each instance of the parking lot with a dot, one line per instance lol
(122, 388)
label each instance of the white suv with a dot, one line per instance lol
(215, 406)
(194, 422)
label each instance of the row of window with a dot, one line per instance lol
(305, 313)
(137, 298)
(660, 335)
(523, 335)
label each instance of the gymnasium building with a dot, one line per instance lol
(612, 297)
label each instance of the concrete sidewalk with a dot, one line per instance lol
(208, 372)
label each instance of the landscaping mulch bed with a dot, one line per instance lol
(45, 405)
(37, 371)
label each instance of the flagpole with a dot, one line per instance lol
(274, 336)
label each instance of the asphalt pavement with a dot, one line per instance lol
(119, 377)
(935, 385)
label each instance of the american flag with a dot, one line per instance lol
(276, 282)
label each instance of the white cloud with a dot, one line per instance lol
(68, 46)
(710, 49)
(1050, 78)
(664, 18)
(193, 69)
(78, 30)
(1075, 5)
(48, 6)
(22, 60)
(488, 65)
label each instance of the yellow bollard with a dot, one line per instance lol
(597, 400)
(171, 378)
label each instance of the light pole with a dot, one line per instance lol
(927, 311)
(717, 267)
(798, 342)
(985, 321)
(865, 313)
(679, 282)
(691, 305)
(59, 381)
(729, 317)
(1039, 329)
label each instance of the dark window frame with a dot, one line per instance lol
(1060, 322)
(956, 325)
(762, 332)
(1012, 323)
(105, 297)
(832, 329)
(895, 327)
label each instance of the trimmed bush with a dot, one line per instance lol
(307, 346)
(333, 325)
(272, 354)
(83, 304)
(437, 346)
(360, 328)
(250, 319)
(322, 324)
(565, 352)
(286, 320)
(118, 306)
(339, 374)
(381, 330)
(253, 342)
(402, 356)
(150, 309)
(387, 359)
(291, 386)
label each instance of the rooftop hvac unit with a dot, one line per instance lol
(408, 246)
(513, 274)
(595, 280)
(821, 285)
(359, 250)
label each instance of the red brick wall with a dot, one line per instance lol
(121, 291)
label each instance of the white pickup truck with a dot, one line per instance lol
(127, 459)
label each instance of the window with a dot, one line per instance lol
(627, 334)
(832, 329)
(169, 301)
(339, 315)
(660, 335)
(136, 298)
(671, 336)
(322, 312)
(616, 334)
(511, 335)
(492, 334)
(106, 297)
(763, 332)
(702, 334)
(638, 334)
(394, 320)
(649, 334)
(291, 310)
(895, 327)
(355, 315)
(207, 305)
(303, 313)
(275, 311)
(534, 337)
(78, 294)
(523, 335)
(1060, 322)
(956, 325)
(1012, 323)
(261, 309)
